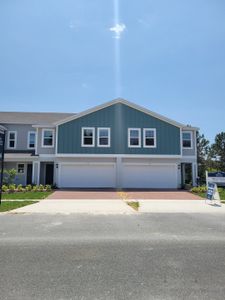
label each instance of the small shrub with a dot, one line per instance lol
(199, 189)
(12, 188)
(20, 188)
(35, 188)
(41, 188)
(4, 188)
(28, 188)
(48, 188)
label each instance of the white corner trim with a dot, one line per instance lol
(109, 137)
(36, 142)
(82, 136)
(15, 139)
(53, 138)
(28, 140)
(139, 138)
(144, 138)
(56, 139)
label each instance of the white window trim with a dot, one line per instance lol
(139, 138)
(109, 137)
(186, 131)
(82, 136)
(53, 138)
(144, 137)
(8, 138)
(28, 140)
(18, 167)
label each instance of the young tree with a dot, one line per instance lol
(218, 151)
(202, 152)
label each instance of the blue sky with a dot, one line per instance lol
(58, 55)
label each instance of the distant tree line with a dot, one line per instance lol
(210, 157)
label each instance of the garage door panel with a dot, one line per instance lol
(149, 176)
(87, 176)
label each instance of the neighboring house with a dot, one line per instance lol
(114, 145)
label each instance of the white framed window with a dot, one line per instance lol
(187, 141)
(88, 137)
(31, 140)
(20, 168)
(104, 136)
(134, 137)
(149, 138)
(12, 139)
(47, 138)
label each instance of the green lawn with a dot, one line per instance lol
(222, 195)
(25, 195)
(9, 205)
(134, 204)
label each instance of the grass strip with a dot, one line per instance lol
(25, 195)
(134, 204)
(10, 205)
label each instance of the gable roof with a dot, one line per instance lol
(32, 118)
(130, 104)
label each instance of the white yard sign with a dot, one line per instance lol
(215, 177)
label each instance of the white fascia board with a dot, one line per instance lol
(43, 126)
(123, 101)
(2, 129)
(187, 128)
(118, 155)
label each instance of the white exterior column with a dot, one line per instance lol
(194, 174)
(36, 173)
(118, 172)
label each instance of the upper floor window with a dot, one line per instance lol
(134, 137)
(48, 138)
(31, 140)
(103, 137)
(149, 136)
(88, 137)
(187, 139)
(12, 136)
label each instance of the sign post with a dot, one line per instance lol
(2, 150)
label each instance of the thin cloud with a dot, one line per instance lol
(118, 29)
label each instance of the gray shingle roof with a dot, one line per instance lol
(33, 118)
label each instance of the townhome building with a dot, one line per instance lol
(115, 145)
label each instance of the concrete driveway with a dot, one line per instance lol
(131, 194)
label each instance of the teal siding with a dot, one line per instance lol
(119, 118)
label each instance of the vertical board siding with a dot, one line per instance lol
(119, 118)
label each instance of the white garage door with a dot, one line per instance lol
(87, 176)
(149, 176)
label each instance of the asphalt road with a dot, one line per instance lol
(150, 256)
